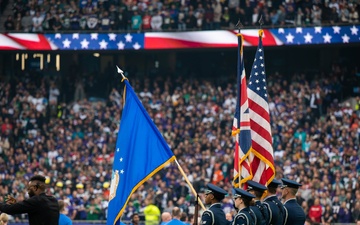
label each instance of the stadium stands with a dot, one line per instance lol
(145, 15)
(315, 137)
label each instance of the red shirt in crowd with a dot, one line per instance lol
(315, 213)
(146, 22)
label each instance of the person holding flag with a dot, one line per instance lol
(214, 215)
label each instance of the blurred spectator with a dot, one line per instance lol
(19, 7)
(290, 15)
(57, 25)
(167, 21)
(315, 212)
(200, 23)
(316, 15)
(156, 21)
(122, 19)
(74, 21)
(181, 20)
(9, 24)
(327, 217)
(152, 213)
(353, 15)
(4, 219)
(63, 219)
(225, 18)
(26, 22)
(208, 17)
(17, 22)
(190, 20)
(344, 214)
(105, 22)
(281, 16)
(146, 21)
(48, 22)
(37, 23)
(136, 20)
(334, 16)
(93, 210)
(217, 14)
(92, 22)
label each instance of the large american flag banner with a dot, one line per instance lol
(132, 41)
(241, 124)
(262, 160)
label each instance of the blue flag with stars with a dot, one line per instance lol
(140, 152)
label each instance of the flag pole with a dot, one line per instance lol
(261, 22)
(122, 73)
(196, 213)
(239, 26)
(190, 185)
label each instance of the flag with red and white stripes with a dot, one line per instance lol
(262, 159)
(241, 124)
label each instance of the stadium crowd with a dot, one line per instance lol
(315, 140)
(156, 15)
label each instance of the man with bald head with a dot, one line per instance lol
(176, 214)
(165, 218)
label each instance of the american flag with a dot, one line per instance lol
(324, 35)
(262, 160)
(241, 124)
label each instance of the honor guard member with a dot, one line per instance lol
(242, 200)
(214, 215)
(294, 214)
(273, 205)
(262, 215)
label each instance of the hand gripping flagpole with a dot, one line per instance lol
(188, 182)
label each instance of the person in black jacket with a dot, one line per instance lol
(214, 215)
(41, 208)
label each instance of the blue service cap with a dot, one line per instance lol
(240, 193)
(252, 185)
(274, 183)
(289, 183)
(215, 189)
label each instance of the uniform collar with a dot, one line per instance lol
(218, 204)
(290, 200)
(270, 196)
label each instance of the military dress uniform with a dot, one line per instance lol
(294, 213)
(274, 206)
(262, 215)
(244, 215)
(214, 215)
